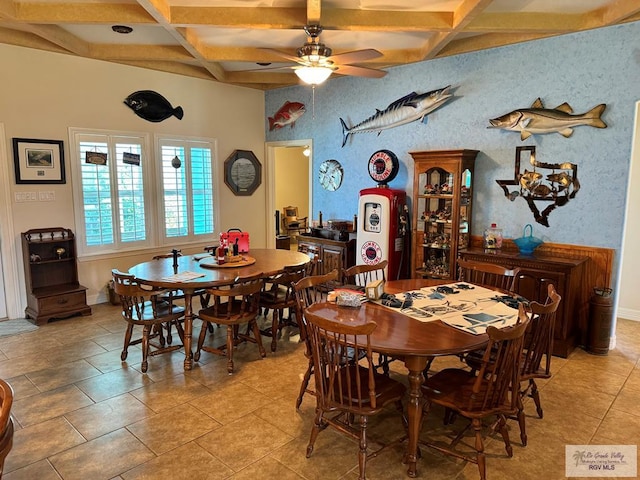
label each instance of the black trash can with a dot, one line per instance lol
(600, 321)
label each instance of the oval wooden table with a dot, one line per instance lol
(158, 273)
(411, 340)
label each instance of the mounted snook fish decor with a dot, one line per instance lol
(407, 109)
(152, 106)
(286, 115)
(537, 119)
(558, 184)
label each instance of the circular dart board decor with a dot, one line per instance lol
(383, 166)
(330, 174)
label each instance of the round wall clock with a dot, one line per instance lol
(330, 174)
(383, 166)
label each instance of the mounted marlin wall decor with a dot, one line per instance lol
(407, 109)
(537, 119)
(554, 183)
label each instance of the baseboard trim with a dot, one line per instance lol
(629, 314)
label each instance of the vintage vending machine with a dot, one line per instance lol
(383, 220)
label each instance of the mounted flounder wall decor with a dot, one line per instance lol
(554, 183)
(152, 106)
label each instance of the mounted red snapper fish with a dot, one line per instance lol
(286, 115)
(537, 119)
(407, 109)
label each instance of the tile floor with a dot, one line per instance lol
(81, 413)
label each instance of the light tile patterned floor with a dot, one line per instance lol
(81, 413)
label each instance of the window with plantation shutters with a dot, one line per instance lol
(187, 195)
(116, 178)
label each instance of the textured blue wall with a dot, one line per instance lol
(583, 69)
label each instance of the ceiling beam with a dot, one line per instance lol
(384, 21)
(161, 12)
(82, 13)
(314, 10)
(618, 11)
(137, 52)
(242, 17)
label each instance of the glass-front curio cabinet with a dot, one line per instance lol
(442, 201)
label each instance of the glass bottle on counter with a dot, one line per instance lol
(493, 237)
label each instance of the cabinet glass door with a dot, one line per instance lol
(435, 204)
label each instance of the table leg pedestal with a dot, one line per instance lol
(416, 366)
(188, 331)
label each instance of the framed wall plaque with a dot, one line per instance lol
(242, 172)
(38, 161)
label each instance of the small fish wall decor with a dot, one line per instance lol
(152, 106)
(287, 114)
(553, 183)
(405, 110)
(538, 120)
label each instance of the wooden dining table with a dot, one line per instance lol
(414, 341)
(162, 273)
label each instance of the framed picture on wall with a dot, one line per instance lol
(38, 161)
(242, 172)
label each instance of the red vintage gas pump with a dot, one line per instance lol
(383, 232)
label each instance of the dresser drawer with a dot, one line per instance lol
(62, 302)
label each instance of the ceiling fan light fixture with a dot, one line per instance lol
(313, 75)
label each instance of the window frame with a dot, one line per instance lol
(191, 238)
(153, 192)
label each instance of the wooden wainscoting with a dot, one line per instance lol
(598, 271)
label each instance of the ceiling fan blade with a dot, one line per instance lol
(359, 71)
(356, 56)
(281, 68)
(284, 55)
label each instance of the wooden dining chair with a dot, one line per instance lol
(495, 391)
(6, 422)
(232, 305)
(144, 306)
(360, 276)
(538, 345)
(488, 274)
(348, 392)
(178, 294)
(278, 295)
(309, 290)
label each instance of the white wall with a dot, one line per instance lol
(43, 94)
(628, 299)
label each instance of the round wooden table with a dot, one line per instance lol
(158, 273)
(414, 341)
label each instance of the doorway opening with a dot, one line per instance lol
(289, 181)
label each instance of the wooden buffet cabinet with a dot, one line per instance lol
(536, 273)
(51, 275)
(330, 253)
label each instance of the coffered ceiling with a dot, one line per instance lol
(229, 40)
